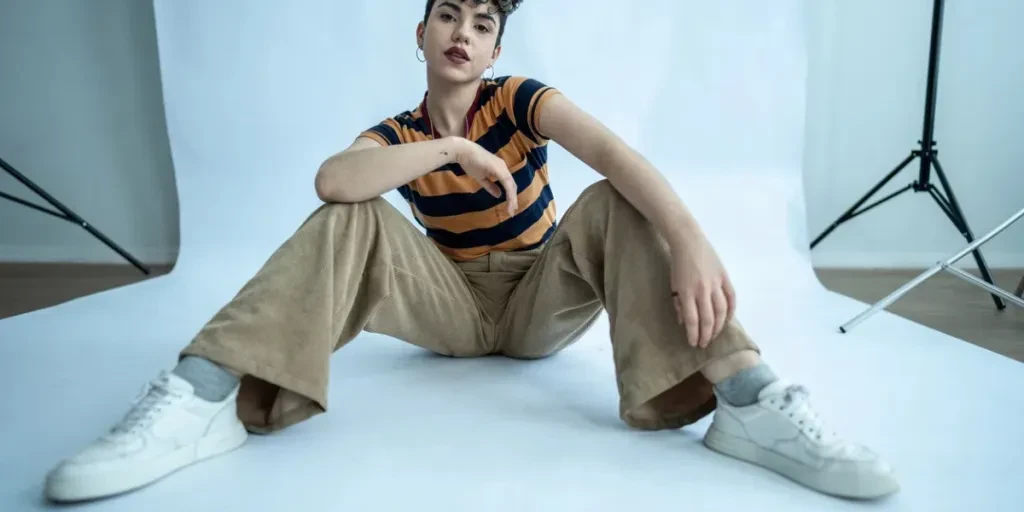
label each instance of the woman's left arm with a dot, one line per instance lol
(628, 171)
(706, 299)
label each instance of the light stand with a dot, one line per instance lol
(65, 213)
(928, 156)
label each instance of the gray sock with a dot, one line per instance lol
(742, 389)
(211, 381)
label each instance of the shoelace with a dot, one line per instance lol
(796, 404)
(154, 398)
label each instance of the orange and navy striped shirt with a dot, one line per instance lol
(464, 220)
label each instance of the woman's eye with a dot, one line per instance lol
(447, 17)
(483, 28)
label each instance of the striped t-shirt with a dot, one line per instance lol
(463, 219)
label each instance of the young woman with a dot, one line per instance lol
(492, 274)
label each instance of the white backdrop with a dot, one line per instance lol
(257, 94)
(251, 117)
(257, 98)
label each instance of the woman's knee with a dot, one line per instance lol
(375, 205)
(602, 200)
(601, 191)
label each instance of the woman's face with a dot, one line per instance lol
(459, 38)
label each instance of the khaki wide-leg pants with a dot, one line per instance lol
(364, 267)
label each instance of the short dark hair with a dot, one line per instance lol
(503, 8)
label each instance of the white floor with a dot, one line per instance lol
(410, 431)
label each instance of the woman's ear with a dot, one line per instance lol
(495, 54)
(420, 29)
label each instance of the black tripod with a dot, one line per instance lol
(65, 213)
(929, 158)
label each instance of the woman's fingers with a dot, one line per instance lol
(730, 298)
(707, 316)
(721, 307)
(491, 188)
(692, 320)
(511, 191)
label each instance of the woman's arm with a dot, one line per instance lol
(366, 169)
(703, 294)
(626, 169)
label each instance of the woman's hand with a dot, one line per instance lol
(486, 168)
(704, 296)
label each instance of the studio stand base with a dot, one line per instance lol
(947, 266)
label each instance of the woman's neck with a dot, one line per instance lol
(448, 104)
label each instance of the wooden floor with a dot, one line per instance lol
(944, 302)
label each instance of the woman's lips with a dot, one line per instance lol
(457, 55)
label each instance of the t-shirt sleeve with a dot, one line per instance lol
(524, 99)
(386, 133)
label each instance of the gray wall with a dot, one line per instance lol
(81, 114)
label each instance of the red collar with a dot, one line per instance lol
(470, 115)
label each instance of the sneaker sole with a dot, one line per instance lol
(853, 486)
(101, 485)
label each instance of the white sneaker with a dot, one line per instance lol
(782, 433)
(167, 428)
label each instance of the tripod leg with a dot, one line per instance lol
(887, 301)
(69, 215)
(33, 206)
(113, 246)
(848, 214)
(987, 286)
(961, 223)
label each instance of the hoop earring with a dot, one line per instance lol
(492, 72)
(418, 50)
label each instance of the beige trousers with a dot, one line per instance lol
(364, 267)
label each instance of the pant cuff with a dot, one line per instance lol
(269, 399)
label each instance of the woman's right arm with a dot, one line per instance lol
(366, 169)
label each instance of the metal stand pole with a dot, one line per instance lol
(946, 265)
(928, 154)
(65, 213)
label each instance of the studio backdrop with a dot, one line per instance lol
(259, 94)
